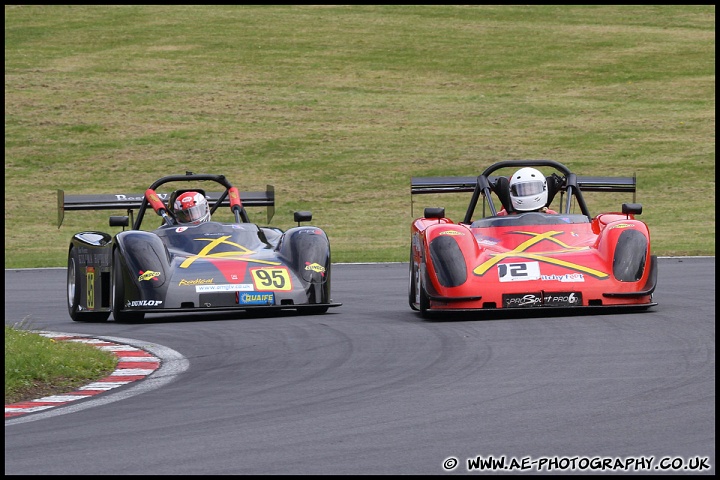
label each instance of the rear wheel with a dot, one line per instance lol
(74, 284)
(118, 295)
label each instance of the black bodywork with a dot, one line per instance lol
(178, 268)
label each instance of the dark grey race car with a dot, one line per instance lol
(212, 266)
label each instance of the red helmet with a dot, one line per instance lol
(191, 207)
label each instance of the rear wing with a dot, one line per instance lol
(130, 202)
(423, 185)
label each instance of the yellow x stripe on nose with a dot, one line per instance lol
(519, 251)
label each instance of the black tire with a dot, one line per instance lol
(412, 290)
(118, 295)
(424, 303)
(73, 293)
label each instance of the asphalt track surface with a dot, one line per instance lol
(371, 388)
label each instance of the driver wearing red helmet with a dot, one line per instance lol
(191, 208)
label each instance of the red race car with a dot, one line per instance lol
(525, 255)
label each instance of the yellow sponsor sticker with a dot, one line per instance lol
(271, 278)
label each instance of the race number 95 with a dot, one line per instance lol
(271, 278)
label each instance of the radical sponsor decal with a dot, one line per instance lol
(148, 275)
(197, 281)
(221, 249)
(521, 251)
(519, 272)
(568, 277)
(450, 232)
(254, 298)
(234, 287)
(143, 303)
(271, 278)
(90, 292)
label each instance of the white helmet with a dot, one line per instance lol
(191, 207)
(528, 190)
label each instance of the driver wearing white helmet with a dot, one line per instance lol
(528, 192)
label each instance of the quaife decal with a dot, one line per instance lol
(519, 272)
(148, 275)
(143, 303)
(271, 278)
(254, 298)
(521, 252)
(622, 225)
(90, 293)
(450, 232)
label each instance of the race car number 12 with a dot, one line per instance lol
(514, 272)
(271, 278)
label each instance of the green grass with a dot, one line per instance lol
(36, 366)
(339, 106)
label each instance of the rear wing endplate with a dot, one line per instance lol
(133, 201)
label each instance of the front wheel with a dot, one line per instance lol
(118, 295)
(74, 283)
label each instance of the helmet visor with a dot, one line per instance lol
(192, 214)
(527, 189)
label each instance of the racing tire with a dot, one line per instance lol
(424, 303)
(412, 290)
(73, 293)
(118, 296)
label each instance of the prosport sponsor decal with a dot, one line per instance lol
(234, 287)
(521, 252)
(254, 298)
(542, 299)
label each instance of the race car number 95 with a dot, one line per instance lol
(272, 278)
